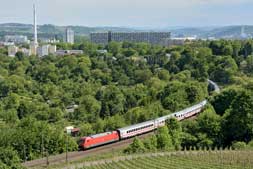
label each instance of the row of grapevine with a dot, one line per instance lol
(193, 160)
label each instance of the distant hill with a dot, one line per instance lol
(48, 30)
(53, 30)
(216, 32)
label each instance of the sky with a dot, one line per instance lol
(130, 13)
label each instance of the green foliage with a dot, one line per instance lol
(209, 123)
(177, 94)
(239, 145)
(175, 132)
(151, 143)
(88, 110)
(223, 69)
(132, 83)
(9, 159)
(164, 140)
(223, 101)
(205, 132)
(136, 147)
(112, 101)
(237, 123)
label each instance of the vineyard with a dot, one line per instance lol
(181, 160)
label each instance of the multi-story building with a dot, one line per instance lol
(69, 36)
(42, 50)
(99, 38)
(12, 50)
(27, 52)
(17, 39)
(45, 50)
(178, 41)
(68, 52)
(155, 38)
(46, 40)
(33, 48)
(52, 49)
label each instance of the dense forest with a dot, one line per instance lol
(131, 83)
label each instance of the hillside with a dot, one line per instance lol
(53, 30)
(217, 32)
(131, 84)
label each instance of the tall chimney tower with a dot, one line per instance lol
(35, 25)
(34, 45)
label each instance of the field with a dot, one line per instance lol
(177, 160)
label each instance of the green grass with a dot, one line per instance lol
(181, 160)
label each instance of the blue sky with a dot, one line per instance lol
(130, 13)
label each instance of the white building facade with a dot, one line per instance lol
(17, 39)
(12, 50)
(69, 36)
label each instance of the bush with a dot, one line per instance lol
(9, 159)
(136, 147)
(250, 145)
(239, 145)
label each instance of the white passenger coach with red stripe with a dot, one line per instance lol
(150, 125)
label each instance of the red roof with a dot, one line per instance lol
(75, 130)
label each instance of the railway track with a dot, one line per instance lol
(77, 155)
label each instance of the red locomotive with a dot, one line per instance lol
(98, 139)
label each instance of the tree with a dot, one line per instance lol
(188, 140)
(141, 76)
(129, 52)
(151, 143)
(88, 110)
(112, 101)
(216, 47)
(171, 65)
(248, 48)
(195, 92)
(114, 48)
(209, 124)
(9, 157)
(204, 141)
(222, 101)
(3, 166)
(175, 131)
(227, 50)
(164, 141)
(237, 125)
(239, 145)
(99, 125)
(225, 68)
(19, 55)
(55, 114)
(136, 147)
(86, 129)
(114, 122)
(163, 75)
(4, 88)
(249, 64)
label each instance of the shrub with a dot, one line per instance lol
(239, 145)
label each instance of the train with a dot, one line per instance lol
(96, 140)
